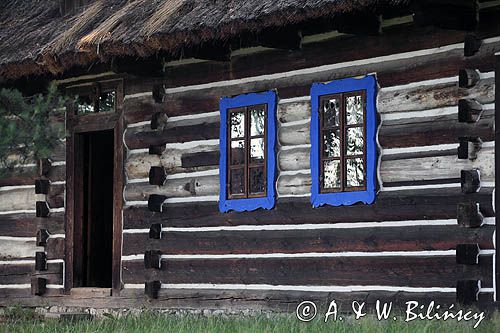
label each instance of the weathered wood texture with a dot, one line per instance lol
(389, 271)
(27, 225)
(417, 238)
(28, 175)
(424, 205)
(25, 198)
(412, 169)
(11, 249)
(22, 273)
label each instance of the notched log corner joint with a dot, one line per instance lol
(469, 215)
(467, 254)
(468, 291)
(157, 176)
(472, 44)
(469, 147)
(42, 186)
(152, 289)
(469, 110)
(42, 236)
(40, 261)
(159, 121)
(155, 202)
(38, 286)
(42, 209)
(470, 181)
(155, 231)
(468, 78)
(152, 259)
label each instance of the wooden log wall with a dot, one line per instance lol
(406, 242)
(32, 229)
(404, 246)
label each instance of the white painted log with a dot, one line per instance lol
(294, 184)
(18, 199)
(138, 165)
(175, 188)
(18, 247)
(295, 111)
(440, 167)
(433, 96)
(295, 133)
(296, 158)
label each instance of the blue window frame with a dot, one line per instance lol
(247, 152)
(343, 147)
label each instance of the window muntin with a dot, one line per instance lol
(343, 145)
(247, 152)
(248, 158)
(342, 138)
(94, 98)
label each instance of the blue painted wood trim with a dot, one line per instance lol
(369, 84)
(240, 205)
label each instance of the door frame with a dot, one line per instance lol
(78, 124)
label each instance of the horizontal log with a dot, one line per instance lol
(344, 271)
(22, 273)
(427, 97)
(417, 238)
(435, 132)
(389, 72)
(25, 198)
(184, 187)
(137, 165)
(135, 139)
(18, 248)
(398, 206)
(410, 169)
(27, 225)
(28, 175)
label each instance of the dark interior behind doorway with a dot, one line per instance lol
(93, 230)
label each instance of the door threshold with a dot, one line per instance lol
(93, 292)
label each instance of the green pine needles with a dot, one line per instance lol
(30, 128)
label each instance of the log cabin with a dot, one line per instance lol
(236, 155)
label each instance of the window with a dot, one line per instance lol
(247, 145)
(95, 98)
(343, 147)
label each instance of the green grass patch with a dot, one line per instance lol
(20, 320)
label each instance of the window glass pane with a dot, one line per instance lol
(237, 152)
(355, 142)
(331, 109)
(257, 150)
(84, 104)
(354, 109)
(331, 174)
(331, 147)
(257, 121)
(355, 172)
(237, 121)
(257, 180)
(107, 102)
(237, 181)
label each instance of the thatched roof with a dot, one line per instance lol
(35, 38)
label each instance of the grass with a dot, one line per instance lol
(22, 320)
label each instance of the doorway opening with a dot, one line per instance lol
(93, 222)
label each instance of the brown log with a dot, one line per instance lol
(387, 207)
(28, 175)
(21, 273)
(343, 271)
(27, 225)
(416, 238)
(209, 158)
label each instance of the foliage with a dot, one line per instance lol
(28, 127)
(150, 322)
